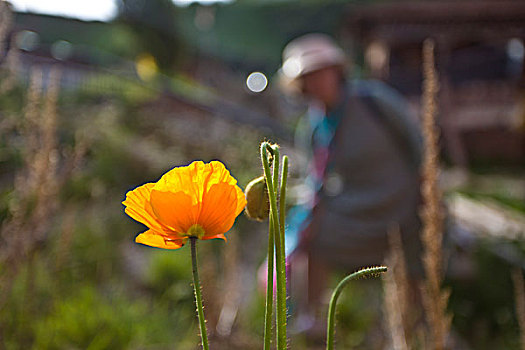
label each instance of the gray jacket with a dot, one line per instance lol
(372, 184)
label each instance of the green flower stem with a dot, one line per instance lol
(330, 330)
(198, 296)
(268, 316)
(282, 221)
(281, 277)
(280, 264)
(282, 203)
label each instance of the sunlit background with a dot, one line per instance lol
(99, 10)
(95, 10)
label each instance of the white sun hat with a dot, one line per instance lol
(309, 53)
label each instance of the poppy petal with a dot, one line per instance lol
(221, 236)
(155, 239)
(187, 179)
(174, 210)
(224, 176)
(219, 174)
(219, 209)
(138, 207)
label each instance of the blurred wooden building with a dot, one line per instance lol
(480, 59)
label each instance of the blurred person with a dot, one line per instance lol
(363, 155)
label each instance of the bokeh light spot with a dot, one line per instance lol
(27, 40)
(256, 82)
(61, 50)
(146, 66)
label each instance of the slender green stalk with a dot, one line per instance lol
(281, 277)
(282, 201)
(282, 222)
(280, 263)
(330, 329)
(268, 316)
(198, 296)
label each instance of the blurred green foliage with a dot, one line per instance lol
(152, 23)
(483, 306)
(86, 320)
(88, 286)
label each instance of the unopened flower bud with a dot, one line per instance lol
(258, 204)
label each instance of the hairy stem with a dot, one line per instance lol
(281, 277)
(198, 296)
(330, 329)
(268, 316)
(282, 221)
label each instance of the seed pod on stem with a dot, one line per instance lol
(258, 204)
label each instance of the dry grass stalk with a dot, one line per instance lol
(35, 189)
(6, 21)
(519, 297)
(41, 156)
(35, 205)
(30, 127)
(404, 297)
(434, 299)
(12, 63)
(8, 58)
(393, 308)
(12, 233)
(402, 314)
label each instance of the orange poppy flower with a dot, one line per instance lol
(199, 200)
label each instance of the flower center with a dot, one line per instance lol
(195, 230)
